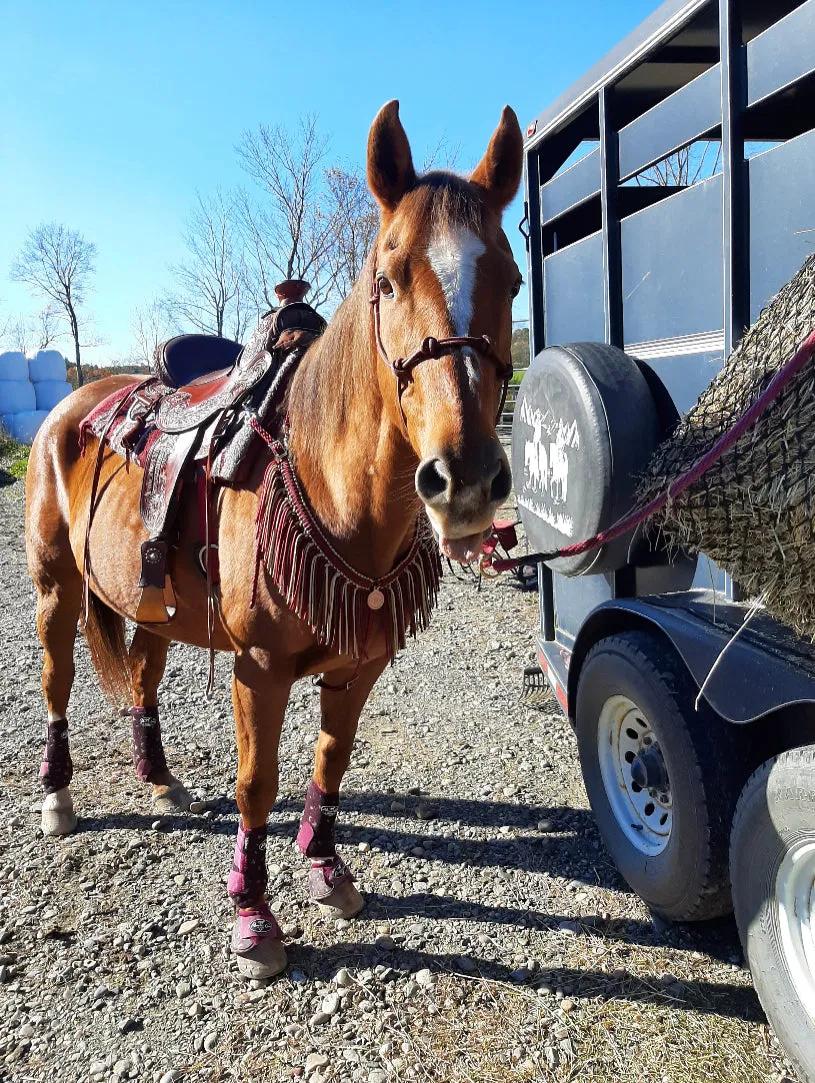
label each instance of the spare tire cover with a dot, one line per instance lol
(585, 425)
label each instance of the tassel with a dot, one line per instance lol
(318, 586)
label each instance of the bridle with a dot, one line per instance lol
(433, 348)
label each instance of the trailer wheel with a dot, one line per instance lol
(662, 778)
(772, 865)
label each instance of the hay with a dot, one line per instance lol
(752, 512)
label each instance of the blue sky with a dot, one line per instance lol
(114, 114)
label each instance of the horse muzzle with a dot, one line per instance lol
(461, 500)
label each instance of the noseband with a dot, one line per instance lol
(403, 367)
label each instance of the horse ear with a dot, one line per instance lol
(499, 171)
(390, 165)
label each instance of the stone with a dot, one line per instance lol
(319, 1019)
(567, 1005)
(331, 1004)
(424, 978)
(425, 812)
(298, 977)
(571, 928)
(364, 847)
(398, 806)
(519, 976)
(197, 807)
(316, 1060)
(210, 1041)
(545, 826)
(171, 1077)
(183, 989)
(127, 1026)
(188, 926)
(343, 979)
(384, 943)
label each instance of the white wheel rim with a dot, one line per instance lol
(795, 909)
(644, 815)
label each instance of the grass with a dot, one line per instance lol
(13, 456)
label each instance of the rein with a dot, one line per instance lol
(433, 348)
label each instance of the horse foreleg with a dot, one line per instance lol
(330, 883)
(147, 658)
(58, 604)
(259, 700)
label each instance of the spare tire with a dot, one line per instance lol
(585, 425)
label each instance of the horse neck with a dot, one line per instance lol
(355, 466)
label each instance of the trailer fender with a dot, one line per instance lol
(749, 682)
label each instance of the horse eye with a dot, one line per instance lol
(516, 289)
(385, 285)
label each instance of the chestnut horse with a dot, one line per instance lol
(372, 454)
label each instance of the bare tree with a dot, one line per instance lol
(152, 324)
(684, 167)
(212, 283)
(45, 327)
(59, 263)
(17, 333)
(290, 230)
(356, 219)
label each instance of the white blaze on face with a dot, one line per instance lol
(453, 254)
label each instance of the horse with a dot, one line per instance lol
(376, 447)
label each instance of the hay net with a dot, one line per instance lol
(752, 512)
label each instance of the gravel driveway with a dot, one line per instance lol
(498, 943)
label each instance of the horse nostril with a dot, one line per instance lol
(432, 479)
(501, 483)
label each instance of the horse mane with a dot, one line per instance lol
(335, 370)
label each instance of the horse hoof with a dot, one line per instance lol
(58, 816)
(343, 902)
(257, 945)
(174, 797)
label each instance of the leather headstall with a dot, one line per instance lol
(433, 348)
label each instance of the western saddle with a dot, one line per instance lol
(191, 420)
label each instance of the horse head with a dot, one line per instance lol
(442, 268)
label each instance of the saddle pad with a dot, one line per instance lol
(125, 434)
(191, 406)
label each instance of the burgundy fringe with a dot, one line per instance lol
(326, 592)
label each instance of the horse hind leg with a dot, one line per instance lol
(58, 603)
(147, 659)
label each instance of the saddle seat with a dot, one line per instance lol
(187, 359)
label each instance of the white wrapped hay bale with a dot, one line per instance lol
(14, 366)
(24, 425)
(47, 365)
(50, 392)
(17, 396)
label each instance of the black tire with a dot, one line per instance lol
(706, 767)
(776, 815)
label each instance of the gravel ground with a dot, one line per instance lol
(498, 943)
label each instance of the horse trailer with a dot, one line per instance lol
(669, 194)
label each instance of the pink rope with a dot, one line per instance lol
(779, 382)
